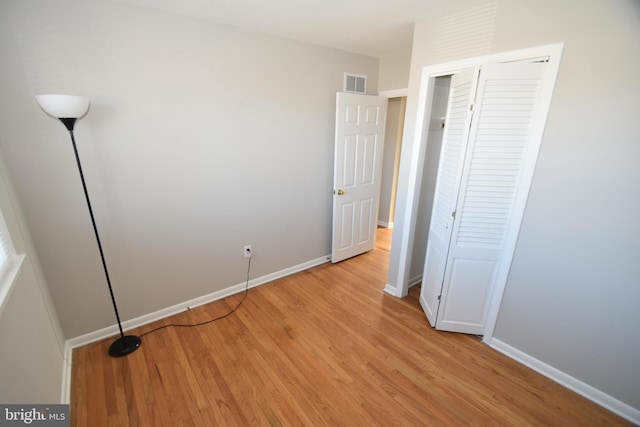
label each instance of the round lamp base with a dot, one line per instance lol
(124, 345)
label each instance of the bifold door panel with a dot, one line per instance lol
(467, 237)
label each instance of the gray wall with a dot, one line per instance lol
(394, 70)
(572, 295)
(201, 138)
(32, 350)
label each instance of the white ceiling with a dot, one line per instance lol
(369, 27)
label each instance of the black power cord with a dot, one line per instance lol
(193, 325)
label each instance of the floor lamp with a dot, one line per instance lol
(68, 109)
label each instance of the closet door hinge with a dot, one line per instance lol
(453, 214)
(439, 297)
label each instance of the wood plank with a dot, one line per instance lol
(322, 347)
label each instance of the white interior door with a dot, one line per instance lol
(496, 174)
(360, 121)
(454, 143)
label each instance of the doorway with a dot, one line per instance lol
(396, 109)
(360, 122)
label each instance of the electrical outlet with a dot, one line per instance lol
(247, 251)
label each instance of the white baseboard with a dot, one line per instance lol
(65, 393)
(391, 290)
(178, 308)
(385, 224)
(415, 280)
(614, 405)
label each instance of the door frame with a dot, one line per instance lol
(391, 94)
(413, 168)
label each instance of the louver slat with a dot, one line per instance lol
(504, 122)
(452, 150)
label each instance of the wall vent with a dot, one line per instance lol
(355, 83)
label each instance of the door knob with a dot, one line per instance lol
(340, 192)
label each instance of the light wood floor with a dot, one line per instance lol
(325, 347)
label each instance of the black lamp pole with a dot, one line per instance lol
(125, 344)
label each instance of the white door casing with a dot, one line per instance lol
(360, 121)
(454, 142)
(502, 147)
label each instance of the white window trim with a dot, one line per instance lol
(11, 271)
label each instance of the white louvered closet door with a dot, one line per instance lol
(494, 183)
(454, 142)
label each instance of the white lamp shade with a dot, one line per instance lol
(64, 106)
